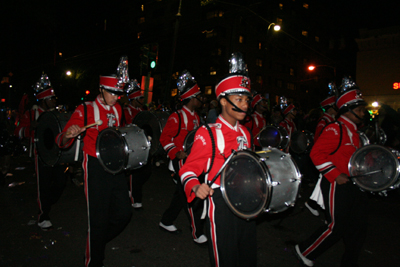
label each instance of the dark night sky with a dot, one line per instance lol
(30, 29)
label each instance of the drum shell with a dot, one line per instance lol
(49, 125)
(122, 148)
(285, 179)
(372, 158)
(273, 136)
(272, 174)
(301, 142)
(152, 122)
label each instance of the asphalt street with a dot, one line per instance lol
(142, 243)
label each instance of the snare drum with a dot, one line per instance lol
(152, 122)
(266, 181)
(124, 148)
(372, 135)
(363, 139)
(372, 158)
(302, 141)
(50, 124)
(273, 136)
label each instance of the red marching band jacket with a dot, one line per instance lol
(188, 122)
(226, 138)
(23, 128)
(110, 117)
(331, 166)
(288, 125)
(325, 119)
(255, 125)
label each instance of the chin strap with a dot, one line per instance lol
(361, 120)
(102, 95)
(235, 108)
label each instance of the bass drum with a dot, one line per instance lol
(380, 162)
(273, 136)
(374, 135)
(152, 122)
(189, 140)
(266, 181)
(49, 125)
(301, 142)
(124, 148)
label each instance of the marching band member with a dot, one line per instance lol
(329, 106)
(257, 121)
(50, 180)
(231, 239)
(346, 204)
(137, 177)
(289, 113)
(178, 125)
(108, 204)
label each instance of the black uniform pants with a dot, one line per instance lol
(50, 186)
(109, 208)
(178, 202)
(232, 241)
(347, 210)
(137, 179)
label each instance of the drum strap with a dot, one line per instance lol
(180, 122)
(341, 136)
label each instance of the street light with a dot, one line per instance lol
(313, 67)
(276, 27)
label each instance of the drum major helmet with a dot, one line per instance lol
(285, 106)
(330, 101)
(115, 83)
(133, 89)
(237, 80)
(351, 96)
(187, 86)
(43, 88)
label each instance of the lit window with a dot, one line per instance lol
(219, 52)
(317, 39)
(174, 92)
(259, 62)
(281, 6)
(279, 21)
(60, 54)
(291, 71)
(259, 79)
(305, 5)
(290, 86)
(221, 14)
(241, 39)
(213, 71)
(208, 90)
(139, 35)
(259, 46)
(141, 20)
(142, 7)
(304, 33)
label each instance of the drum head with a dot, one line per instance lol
(374, 158)
(270, 136)
(152, 123)
(301, 142)
(111, 150)
(244, 185)
(47, 129)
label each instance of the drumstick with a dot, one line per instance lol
(367, 173)
(223, 167)
(258, 133)
(99, 122)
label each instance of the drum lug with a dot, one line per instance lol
(291, 205)
(123, 134)
(276, 183)
(35, 140)
(144, 147)
(292, 180)
(283, 156)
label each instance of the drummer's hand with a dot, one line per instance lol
(72, 132)
(181, 155)
(342, 179)
(202, 191)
